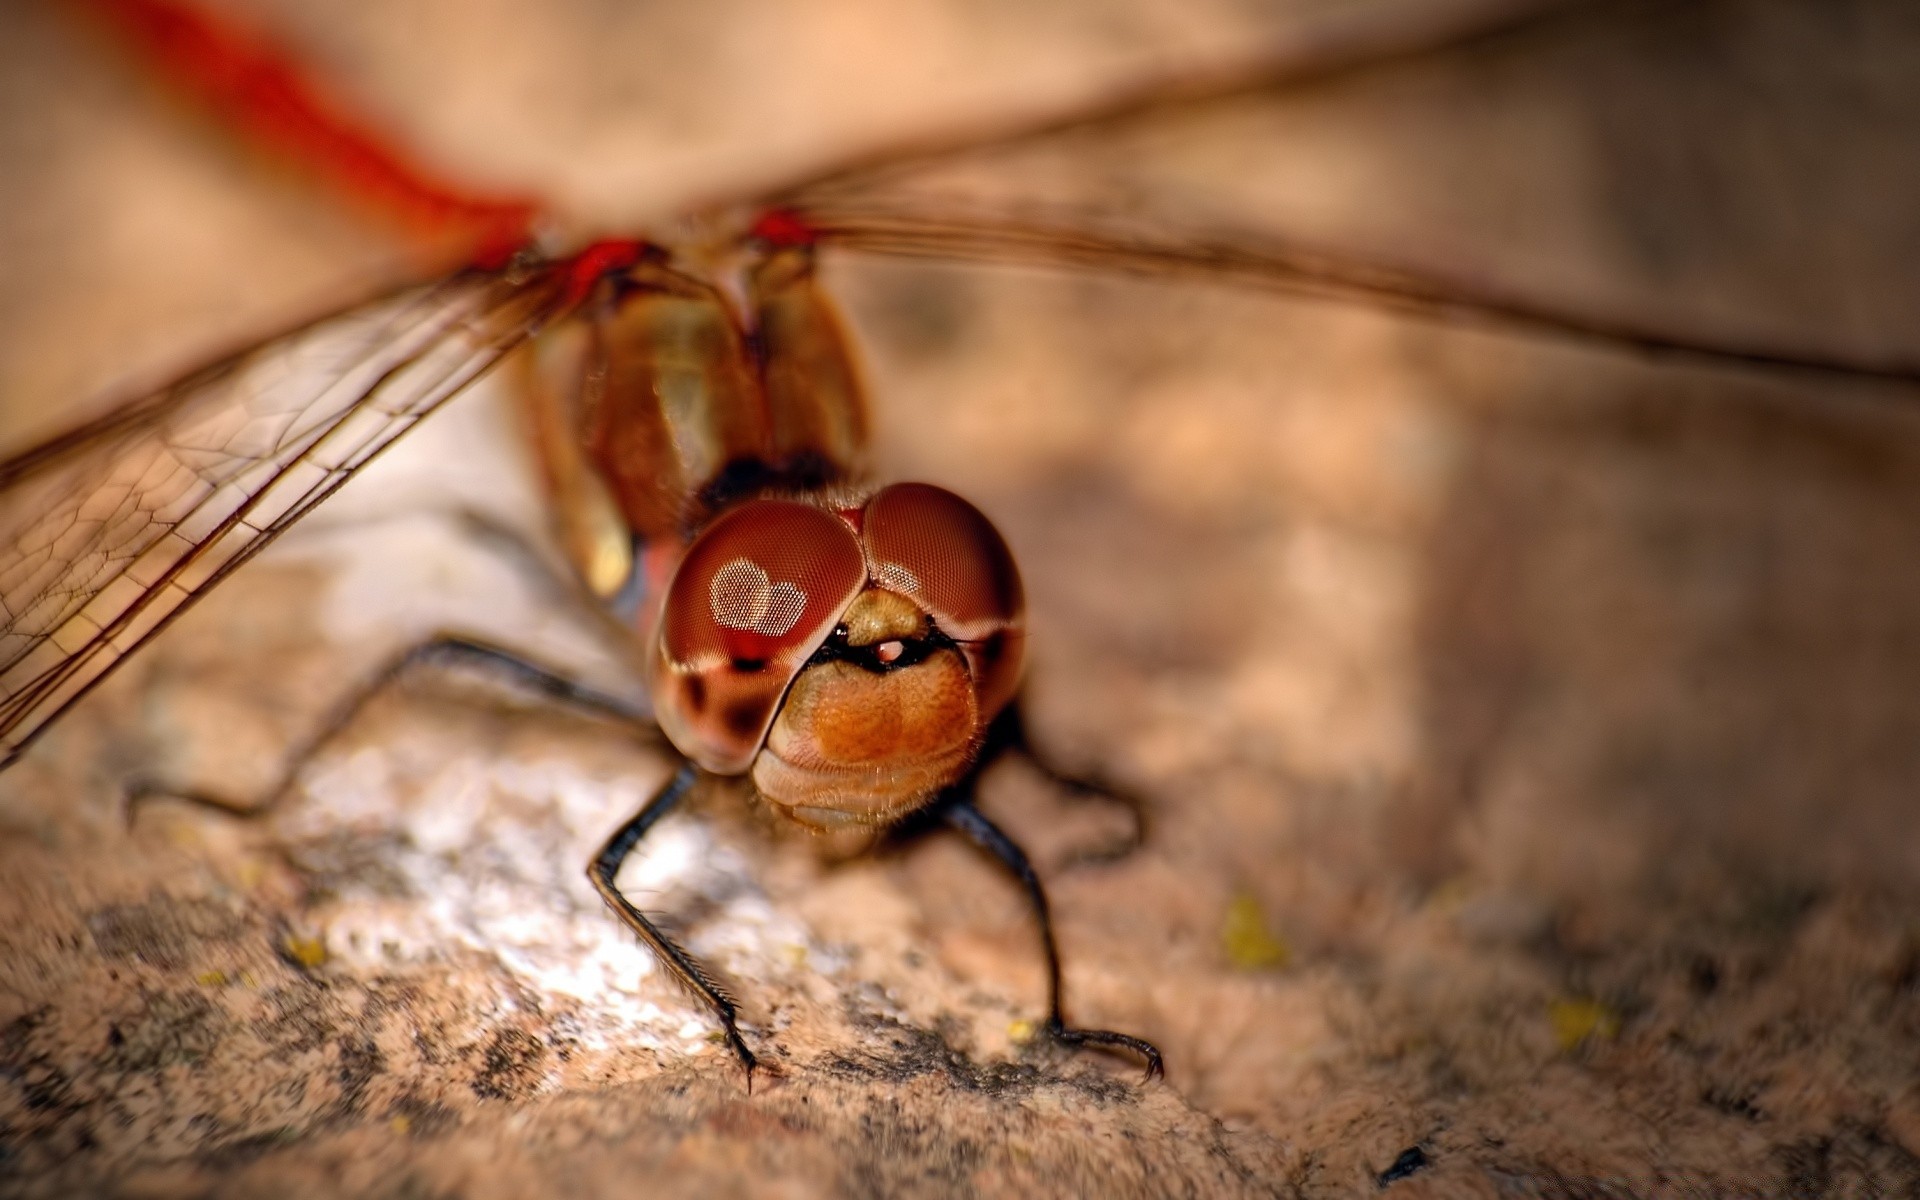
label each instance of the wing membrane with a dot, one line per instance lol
(109, 532)
(1639, 176)
(943, 230)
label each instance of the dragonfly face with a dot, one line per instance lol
(847, 656)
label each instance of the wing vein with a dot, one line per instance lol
(111, 532)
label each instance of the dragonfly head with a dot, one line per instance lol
(848, 659)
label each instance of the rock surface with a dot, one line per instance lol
(1526, 731)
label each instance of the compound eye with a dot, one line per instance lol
(940, 551)
(755, 595)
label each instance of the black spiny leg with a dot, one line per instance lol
(606, 865)
(962, 815)
(441, 650)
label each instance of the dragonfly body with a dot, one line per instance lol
(849, 648)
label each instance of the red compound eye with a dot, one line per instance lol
(933, 547)
(756, 594)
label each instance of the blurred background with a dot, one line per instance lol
(1526, 725)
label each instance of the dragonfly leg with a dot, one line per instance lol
(963, 816)
(441, 650)
(458, 650)
(606, 865)
(1009, 735)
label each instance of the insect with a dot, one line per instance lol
(759, 662)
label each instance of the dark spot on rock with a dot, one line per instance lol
(45, 1090)
(345, 861)
(360, 1062)
(176, 1028)
(1806, 1168)
(1856, 1158)
(510, 1066)
(1733, 1101)
(1411, 1161)
(162, 931)
(300, 1018)
(894, 1052)
(205, 1128)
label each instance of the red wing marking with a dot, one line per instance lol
(108, 533)
(257, 89)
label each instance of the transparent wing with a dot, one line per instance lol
(1627, 176)
(110, 531)
(945, 230)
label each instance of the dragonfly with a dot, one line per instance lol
(854, 649)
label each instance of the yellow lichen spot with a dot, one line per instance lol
(211, 978)
(1250, 945)
(1449, 896)
(1022, 1031)
(309, 952)
(795, 954)
(1577, 1020)
(400, 1124)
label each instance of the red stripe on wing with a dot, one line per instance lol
(253, 86)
